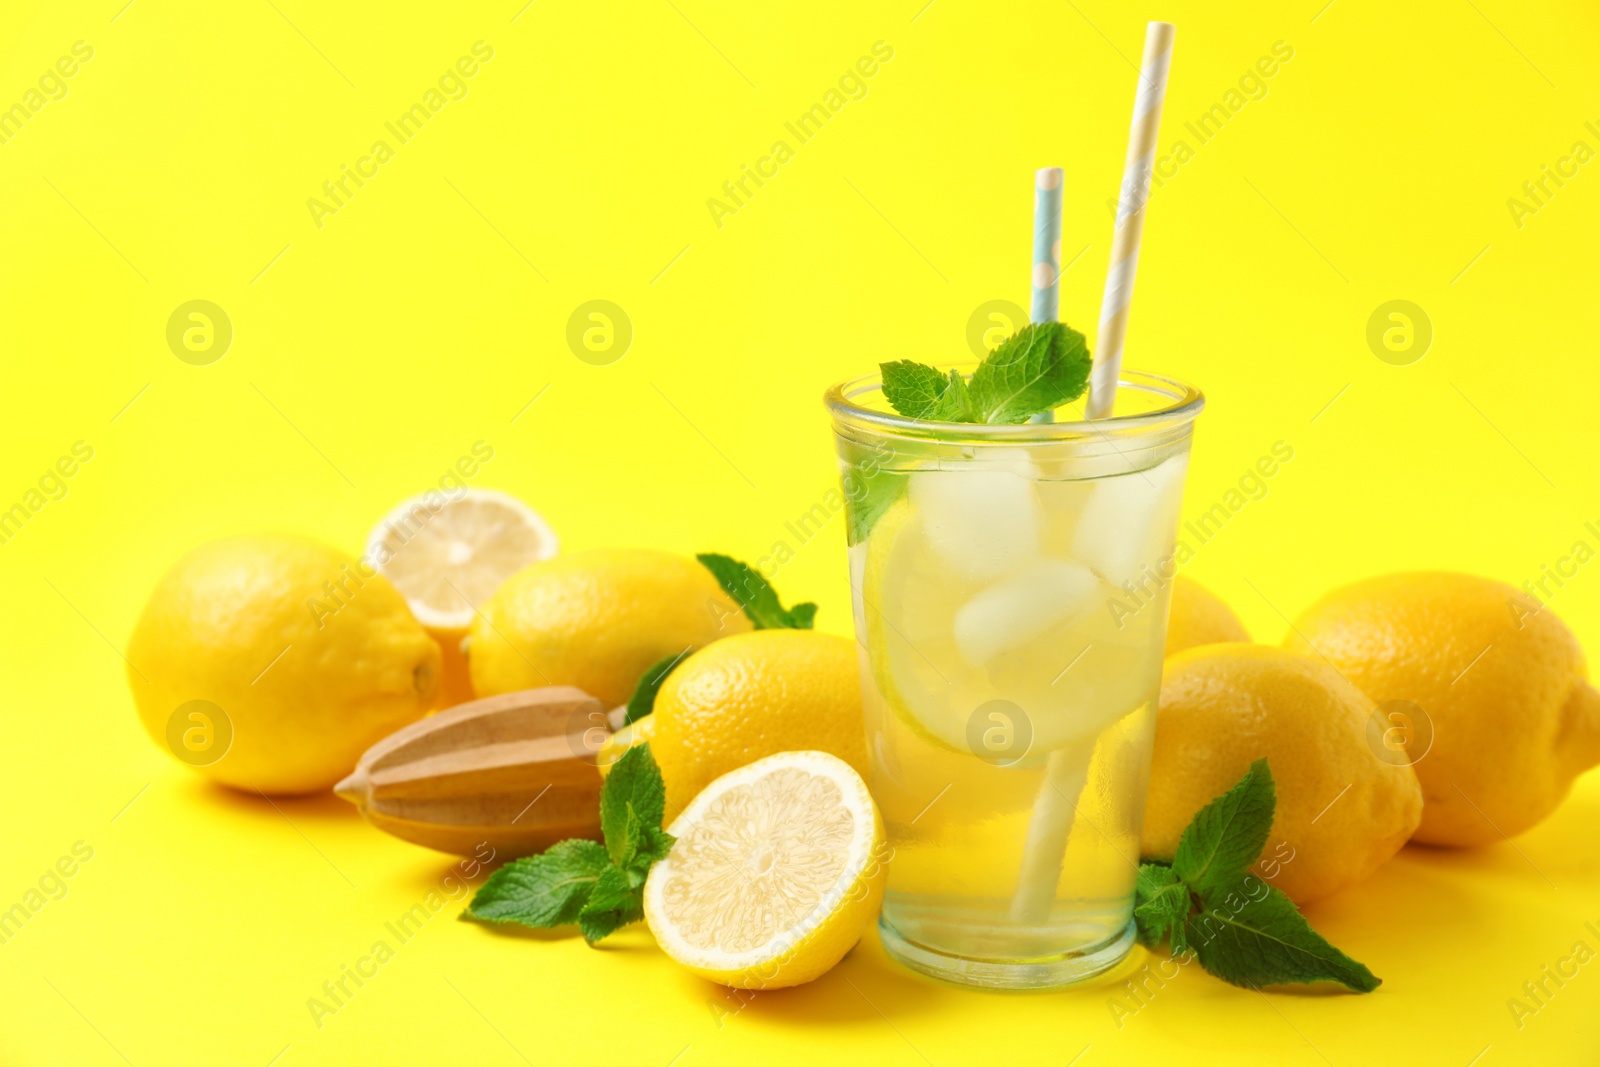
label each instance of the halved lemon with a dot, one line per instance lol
(777, 869)
(446, 555)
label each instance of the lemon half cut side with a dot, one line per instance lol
(777, 869)
(446, 558)
(448, 555)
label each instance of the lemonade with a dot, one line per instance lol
(1010, 592)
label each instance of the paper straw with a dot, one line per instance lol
(1046, 244)
(1055, 808)
(1130, 219)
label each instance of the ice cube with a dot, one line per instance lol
(982, 522)
(1020, 608)
(1128, 520)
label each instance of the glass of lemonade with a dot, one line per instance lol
(1010, 588)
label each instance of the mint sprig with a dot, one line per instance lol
(1035, 370)
(756, 596)
(1241, 929)
(599, 887)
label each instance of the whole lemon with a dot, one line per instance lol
(755, 695)
(273, 662)
(1341, 811)
(1200, 617)
(1485, 691)
(596, 620)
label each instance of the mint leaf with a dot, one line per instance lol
(919, 391)
(1041, 366)
(1226, 836)
(874, 493)
(643, 701)
(598, 925)
(632, 797)
(1266, 941)
(611, 893)
(758, 599)
(615, 903)
(1161, 906)
(914, 389)
(657, 843)
(545, 890)
(955, 403)
(871, 485)
(647, 845)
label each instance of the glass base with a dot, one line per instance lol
(1047, 972)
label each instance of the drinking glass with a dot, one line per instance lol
(1010, 588)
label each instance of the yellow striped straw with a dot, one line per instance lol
(1130, 219)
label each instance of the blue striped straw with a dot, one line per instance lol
(1047, 244)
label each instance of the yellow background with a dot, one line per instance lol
(431, 309)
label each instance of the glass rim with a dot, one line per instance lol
(1186, 403)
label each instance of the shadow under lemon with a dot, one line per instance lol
(308, 809)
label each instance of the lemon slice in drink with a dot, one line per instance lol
(910, 600)
(778, 867)
(447, 555)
